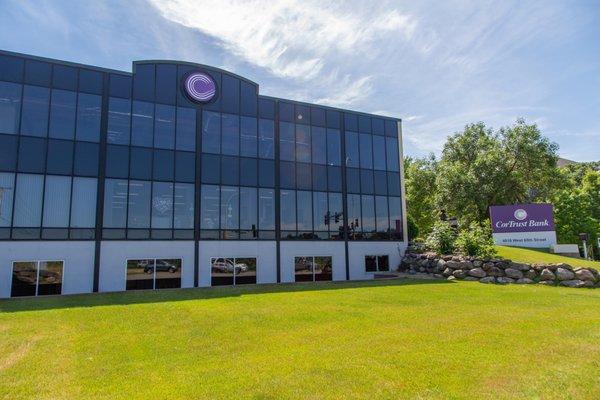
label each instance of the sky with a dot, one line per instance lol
(436, 65)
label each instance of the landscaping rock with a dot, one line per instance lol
(495, 271)
(471, 278)
(447, 272)
(547, 275)
(575, 283)
(466, 265)
(525, 281)
(531, 274)
(477, 272)
(513, 273)
(451, 278)
(564, 274)
(584, 275)
(548, 283)
(503, 280)
(459, 273)
(452, 264)
(477, 263)
(487, 265)
(488, 279)
(519, 266)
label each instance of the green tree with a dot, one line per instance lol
(420, 175)
(480, 168)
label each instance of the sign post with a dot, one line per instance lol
(523, 225)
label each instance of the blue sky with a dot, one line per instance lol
(437, 65)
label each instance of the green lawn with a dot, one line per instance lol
(387, 339)
(520, 254)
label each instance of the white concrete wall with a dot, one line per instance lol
(78, 257)
(358, 250)
(291, 249)
(114, 256)
(265, 253)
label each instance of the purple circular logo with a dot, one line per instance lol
(200, 87)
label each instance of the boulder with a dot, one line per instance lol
(477, 263)
(453, 264)
(488, 265)
(548, 283)
(504, 279)
(584, 275)
(495, 271)
(564, 274)
(441, 264)
(459, 273)
(439, 276)
(447, 272)
(531, 274)
(451, 278)
(471, 278)
(575, 283)
(525, 281)
(547, 275)
(477, 272)
(513, 273)
(488, 279)
(466, 265)
(519, 266)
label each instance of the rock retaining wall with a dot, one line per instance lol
(498, 270)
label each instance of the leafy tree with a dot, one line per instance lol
(420, 175)
(442, 238)
(476, 240)
(480, 168)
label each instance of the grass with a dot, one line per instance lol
(379, 340)
(520, 254)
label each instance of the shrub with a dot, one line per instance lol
(475, 241)
(441, 239)
(413, 229)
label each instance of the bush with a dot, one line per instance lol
(413, 229)
(475, 241)
(441, 239)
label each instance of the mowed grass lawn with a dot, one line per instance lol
(520, 254)
(383, 339)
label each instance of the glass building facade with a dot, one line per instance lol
(97, 155)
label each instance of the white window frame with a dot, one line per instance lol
(377, 263)
(256, 258)
(154, 273)
(37, 276)
(313, 260)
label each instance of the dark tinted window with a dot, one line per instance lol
(317, 116)
(319, 177)
(379, 152)
(230, 210)
(366, 181)
(143, 82)
(86, 159)
(248, 208)
(230, 94)
(266, 209)
(351, 122)
(334, 178)
(333, 119)
(211, 132)
(142, 123)
(209, 213)
(304, 210)
(320, 208)
(288, 210)
(364, 124)
(352, 156)
(90, 81)
(60, 157)
(266, 108)
(287, 139)
(185, 166)
(166, 83)
(319, 145)
(266, 173)
(303, 143)
(286, 112)
(249, 102)
(394, 184)
(140, 166)
(32, 154)
(381, 212)
(392, 154)
(64, 77)
(38, 72)
(119, 119)
(249, 140)
(303, 176)
(62, 114)
(163, 166)
(302, 114)
(287, 175)
(391, 128)
(334, 149)
(230, 144)
(11, 68)
(366, 151)
(353, 180)
(211, 168)
(186, 129)
(10, 107)
(120, 85)
(368, 213)
(8, 152)
(115, 203)
(378, 126)
(266, 130)
(230, 170)
(164, 127)
(248, 172)
(34, 117)
(88, 117)
(380, 182)
(117, 161)
(138, 210)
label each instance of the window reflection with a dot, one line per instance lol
(33, 278)
(313, 268)
(233, 271)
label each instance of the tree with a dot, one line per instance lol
(420, 186)
(480, 168)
